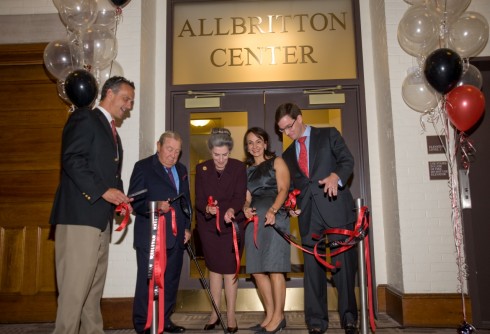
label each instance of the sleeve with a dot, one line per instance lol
(136, 183)
(343, 157)
(240, 188)
(77, 144)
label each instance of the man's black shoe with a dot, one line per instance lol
(351, 329)
(172, 328)
(316, 331)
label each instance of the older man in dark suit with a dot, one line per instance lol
(320, 165)
(164, 178)
(90, 187)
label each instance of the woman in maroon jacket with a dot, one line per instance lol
(221, 186)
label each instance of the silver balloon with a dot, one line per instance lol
(417, 93)
(472, 76)
(98, 47)
(418, 31)
(78, 14)
(469, 34)
(60, 58)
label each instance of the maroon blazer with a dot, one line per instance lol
(229, 190)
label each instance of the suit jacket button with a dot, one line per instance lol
(116, 159)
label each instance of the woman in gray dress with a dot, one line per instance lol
(269, 255)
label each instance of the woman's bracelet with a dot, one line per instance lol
(274, 210)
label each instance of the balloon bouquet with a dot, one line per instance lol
(445, 87)
(85, 59)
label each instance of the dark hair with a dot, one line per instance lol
(220, 137)
(262, 134)
(114, 83)
(287, 109)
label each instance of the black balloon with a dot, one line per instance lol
(443, 69)
(466, 328)
(81, 88)
(120, 3)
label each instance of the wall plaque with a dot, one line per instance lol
(436, 144)
(438, 170)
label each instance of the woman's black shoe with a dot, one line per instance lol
(210, 327)
(257, 328)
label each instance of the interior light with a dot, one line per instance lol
(200, 122)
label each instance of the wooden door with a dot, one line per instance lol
(31, 121)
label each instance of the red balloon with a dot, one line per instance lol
(465, 105)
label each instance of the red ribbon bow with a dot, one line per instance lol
(123, 207)
(290, 203)
(212, 205)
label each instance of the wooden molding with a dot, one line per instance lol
(22, 54)
(423, 309)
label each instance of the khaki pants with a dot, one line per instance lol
(82, 254)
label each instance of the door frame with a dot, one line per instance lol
(261, 113)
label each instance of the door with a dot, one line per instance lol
(239, 110)
(31, 121)
(475, 220)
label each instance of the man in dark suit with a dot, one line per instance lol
(164, 178)
(321, 172)
(90, 187)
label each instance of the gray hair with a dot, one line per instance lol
(220, 137)
(169, 134)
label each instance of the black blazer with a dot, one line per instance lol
(149, 174)
(90, 165)
(327, 153)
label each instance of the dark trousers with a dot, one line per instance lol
(315, 289)
(175, 257)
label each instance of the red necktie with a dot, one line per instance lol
(303, 155)
(114, 132)
(171, 176)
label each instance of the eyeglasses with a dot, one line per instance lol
(287, 127)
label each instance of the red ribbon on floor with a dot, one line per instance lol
(212, 205)
(158, 277)
(123, 207)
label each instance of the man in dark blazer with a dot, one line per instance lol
(164, 178)
(90, 187)
(325, 202)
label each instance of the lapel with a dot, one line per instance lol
(160, 171)
(107, 127)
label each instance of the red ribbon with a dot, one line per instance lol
(255, 220)
(237, 251)
(212, 205)
(290, 203)
(120, 208)
(158, 277)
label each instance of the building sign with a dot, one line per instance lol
(262, 41)
(438, 170)
(436, 144)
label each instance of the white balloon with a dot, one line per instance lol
(106, 14)
(416, 2)
(78, 14)
(472, 76)
(418, 31)
(417, 93)
(114, 69)
(449, 9)
(469, 34)
(98, 47)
